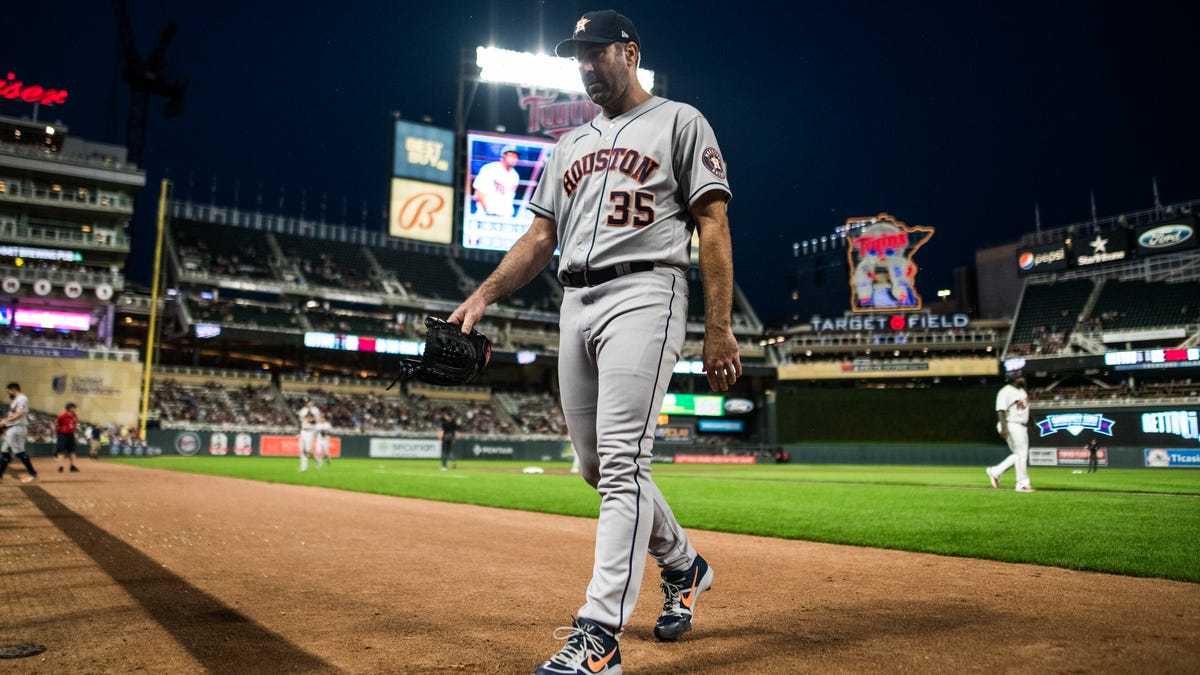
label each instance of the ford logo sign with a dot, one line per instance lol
(1165, 236)
(738, 406)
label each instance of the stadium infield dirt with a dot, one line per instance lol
(122, 568)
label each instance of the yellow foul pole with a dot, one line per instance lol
(152, 332)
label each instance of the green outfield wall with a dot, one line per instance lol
(944, 414)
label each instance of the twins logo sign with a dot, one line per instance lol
(882, 271)
(1075, 424)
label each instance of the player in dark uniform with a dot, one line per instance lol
(446, 436)
(1093, 448)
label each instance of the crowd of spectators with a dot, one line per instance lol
(214, 403)
(243, 261)
(535, 413)
(39, 337)
(1142, 391)
(325, 271)
(1043, 340)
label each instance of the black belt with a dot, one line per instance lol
(588, 277)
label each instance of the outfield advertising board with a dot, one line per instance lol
(1149, 426)
(1161, 458)
(405, 448)
(1065, 457)
(289, 446)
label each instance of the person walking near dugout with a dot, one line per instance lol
(622, 195)
(16, 431)
(66, 424)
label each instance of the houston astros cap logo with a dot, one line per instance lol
(581, 24)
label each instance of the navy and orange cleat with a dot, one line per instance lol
(590, 650)
(682, 591)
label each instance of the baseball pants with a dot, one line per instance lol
(306, 448)
(1018, 443)
(619, 342)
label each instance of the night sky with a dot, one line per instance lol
(941, 113)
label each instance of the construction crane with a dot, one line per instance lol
(145, 77)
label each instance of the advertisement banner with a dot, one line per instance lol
(492, 450)
(405, 448)
(1102, 248)
(722, 426)
(1080, 457)
(1157, 426)
(701, 405)
(1043, 457)
(289, 446)
(1176, 235)
(673, 433)
(1161, 458)
(422, 211)
(715, 459)
(105, 391)
(423, 153)
(1041, 259)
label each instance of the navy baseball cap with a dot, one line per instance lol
(600, 27)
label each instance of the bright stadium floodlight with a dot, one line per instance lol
(537, 70)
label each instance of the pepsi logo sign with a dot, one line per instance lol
(1165, 236)
(1026, 261)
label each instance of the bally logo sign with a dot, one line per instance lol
(12, 88)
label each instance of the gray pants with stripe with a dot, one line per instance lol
(618, 345)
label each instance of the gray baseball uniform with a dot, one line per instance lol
(17, 431)
(619, 191)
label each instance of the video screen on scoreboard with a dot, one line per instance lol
(502, 172)
(36, 318)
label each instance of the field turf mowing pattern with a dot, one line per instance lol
(1137, 522)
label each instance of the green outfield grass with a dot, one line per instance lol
(1136, 522)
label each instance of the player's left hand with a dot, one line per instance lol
(722, 363)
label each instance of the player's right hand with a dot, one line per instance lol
(468, 313)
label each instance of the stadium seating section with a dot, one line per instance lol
(222, 250)
(1145, 304)
(216, 403)
(327, 263)
(537, 294)
(1047, 315)
(426, 275)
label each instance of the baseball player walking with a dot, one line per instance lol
(324, 432)
(1012, 411)
(621, 196)
(16, 431)
(307, 414)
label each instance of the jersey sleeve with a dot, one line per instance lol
(1002, 401)
(548, 196)
(481, 180)
(699, 162)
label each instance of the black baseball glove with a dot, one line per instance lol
(451, 357)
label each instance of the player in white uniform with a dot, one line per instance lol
(1012, 412)
(496, 184)
(307, 415)
(323, 430)
(16, 431)
(621, 195)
